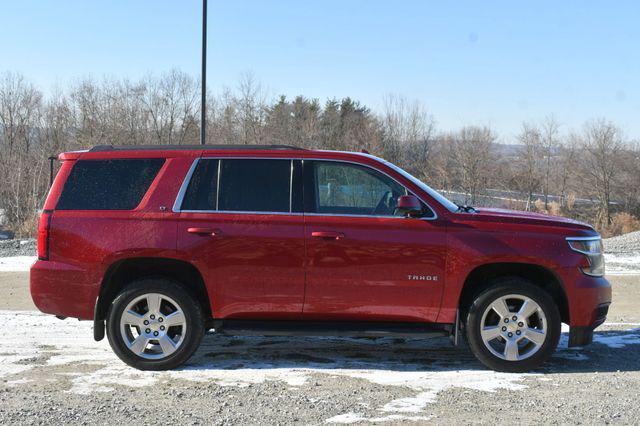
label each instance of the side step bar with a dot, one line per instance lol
(331, 328)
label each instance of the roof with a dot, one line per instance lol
(103, 148)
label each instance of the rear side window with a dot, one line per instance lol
(255, 185)
(202, 191)
(108, 184)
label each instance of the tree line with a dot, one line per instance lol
(591, 173)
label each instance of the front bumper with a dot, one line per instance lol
(583, 335)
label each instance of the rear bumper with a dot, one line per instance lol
(61, 289)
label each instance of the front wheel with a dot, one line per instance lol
(154, 324)
(513, 326)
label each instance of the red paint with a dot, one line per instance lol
(296, 266)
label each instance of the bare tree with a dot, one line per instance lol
(567, 165)
(473, 154)
(549, 135)
(19, 108)
(408, 133)
(601, 144)
(172, 104)
(251, 108)
(528, 176)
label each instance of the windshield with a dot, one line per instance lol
(426, 188)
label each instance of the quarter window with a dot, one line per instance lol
(117, 184)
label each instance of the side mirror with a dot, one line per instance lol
(409, 205)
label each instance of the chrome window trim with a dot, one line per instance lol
(291, 187)
(241, 212)
(183, 188)
(218, 185)
(187, 179)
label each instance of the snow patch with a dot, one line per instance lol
(430, 383)
(356, 417)
(618, 340)
(622, 264)
(32, 339)
(16, 263)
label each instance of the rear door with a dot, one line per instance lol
(241, 227)
(365, 262)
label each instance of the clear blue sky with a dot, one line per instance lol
(480, 62)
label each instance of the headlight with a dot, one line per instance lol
(591, 249)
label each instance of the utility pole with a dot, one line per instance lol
(203, 100)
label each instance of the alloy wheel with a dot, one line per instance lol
(513, 327)
(153, 326)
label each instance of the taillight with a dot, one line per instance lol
(44, 228)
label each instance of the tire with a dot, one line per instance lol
(536, 335)
(162, 338)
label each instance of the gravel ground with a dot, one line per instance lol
(625, 243)
(10, 248)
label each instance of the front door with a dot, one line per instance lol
(364, 261)
(238, 225)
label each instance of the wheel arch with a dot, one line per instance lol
(124, 271)
(482, 277)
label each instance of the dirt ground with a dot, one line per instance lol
(51, 371)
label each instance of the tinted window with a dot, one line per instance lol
(255, 185)
(342, 188)
(203, 187)
(108, 184)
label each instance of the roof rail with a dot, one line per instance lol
(101, 148)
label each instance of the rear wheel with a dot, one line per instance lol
(513, 326)
(154, 324)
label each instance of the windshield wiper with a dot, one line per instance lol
(465, 208)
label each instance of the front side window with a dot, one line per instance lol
(350, 189)
(117, 184)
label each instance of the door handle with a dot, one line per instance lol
(327, 235)
(205, 231)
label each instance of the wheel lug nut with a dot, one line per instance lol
(146, 322)
(518, 332)
(521, 324)
(162, 327)
(515, 318)
(160, 319)
(155, 333)
(504, 328)
(148, 330)
(510, 334)
(506, 320)
(152, 316)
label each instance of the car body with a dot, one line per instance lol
(303, 263)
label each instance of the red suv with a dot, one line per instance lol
(159, 244)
